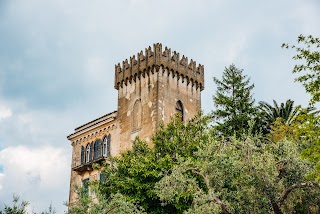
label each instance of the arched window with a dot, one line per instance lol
(136, 116)
(97, 149)
(88, 153)
(106, 146)
(82, 155)
(179, 109)
(91, 151)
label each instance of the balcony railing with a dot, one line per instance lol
(87, 166)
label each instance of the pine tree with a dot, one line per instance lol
(234, 103)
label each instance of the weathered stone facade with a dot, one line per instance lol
(151, 89)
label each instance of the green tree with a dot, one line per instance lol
(308, 53)
(134, 174)
(279, 130)
(242, 176)
(233, 101)
(305, 131)
(17, 208)
(189, 170)
(308, 131)
(281, 116)
(286, 111)
(112, 204)
(21, 207)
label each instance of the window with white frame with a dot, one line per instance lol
(88, 153)
(106, 146)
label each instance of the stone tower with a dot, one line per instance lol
(151, 89)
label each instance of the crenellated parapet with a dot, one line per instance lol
(156, 58)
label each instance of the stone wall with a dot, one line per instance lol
(135, 68)
(157, 93)
(88, 133)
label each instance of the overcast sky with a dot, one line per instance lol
(57, 69)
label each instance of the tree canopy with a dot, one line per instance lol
(20, 207)
(308, 53)
(190, 170)
(234, 102)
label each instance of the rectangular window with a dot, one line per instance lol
(102, 177)
(85, 185)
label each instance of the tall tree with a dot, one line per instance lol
(308, 52)
(233, 101)
(285, 112)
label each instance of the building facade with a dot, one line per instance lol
(151, 89)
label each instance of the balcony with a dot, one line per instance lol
(87, 166)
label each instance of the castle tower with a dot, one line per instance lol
(151, 89)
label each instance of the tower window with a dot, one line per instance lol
(179, 109)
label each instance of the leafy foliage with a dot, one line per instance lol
(21, 207)
(305, 130)
(114, 204)
(17, 208)
(279, 130)
(308, 130)
(241, 177)
(190, 170)
(308, 51)
(286, 111)
(233, 101)
(135, 173)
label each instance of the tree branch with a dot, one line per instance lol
(112, 208)
(275, 207)
(206, 180)
(287, 191)
(215, 199)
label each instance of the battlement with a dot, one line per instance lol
(156, 58)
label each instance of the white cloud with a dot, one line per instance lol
(1, 180)
(39, 175)
(5, 112)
